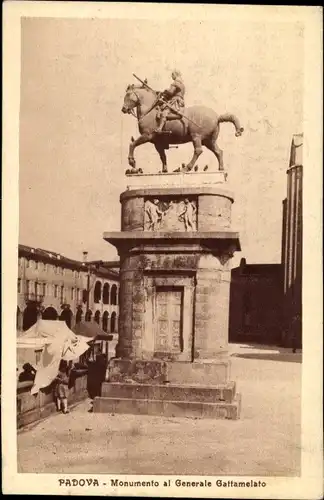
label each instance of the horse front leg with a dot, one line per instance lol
(160, 149)
(197, 152)
(142, 139)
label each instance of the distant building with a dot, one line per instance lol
(54, 287)
(256, 300)
(266, 299)
(292, 239)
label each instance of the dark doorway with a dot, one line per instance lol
(50, 313)
(66, 316)
(30, 316)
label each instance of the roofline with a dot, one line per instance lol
(43, 255)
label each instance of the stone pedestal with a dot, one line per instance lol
(175, 245)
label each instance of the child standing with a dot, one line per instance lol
(61, 388)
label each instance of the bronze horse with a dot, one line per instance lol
(201, 127)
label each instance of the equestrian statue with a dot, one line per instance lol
(163, 120)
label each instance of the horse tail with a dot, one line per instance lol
(228, 117)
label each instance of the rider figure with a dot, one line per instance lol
(174, 96)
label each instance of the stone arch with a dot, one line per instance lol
(97, 292)
(105, 293)
(97, 317)
(113, 296)
(113, 322)
(88, 315)
(30, 316)
(66, 315)
(50, 313)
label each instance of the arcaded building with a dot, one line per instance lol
(51, 286)
(292, 239)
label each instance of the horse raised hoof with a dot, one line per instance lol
(132, 162)
(239, 132)
(186, 168)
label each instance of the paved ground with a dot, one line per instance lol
(265, 441)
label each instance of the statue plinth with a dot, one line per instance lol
(175, 246)
(170, 179)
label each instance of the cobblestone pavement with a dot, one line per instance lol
(265, 441)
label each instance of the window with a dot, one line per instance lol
(36, 265)
(44, 289)
(72, 293)
(19, 285)
(105, 319)
(113, 322)
(113, 297)
(97, 317)
(105, 293)
(27, 286)
(27, 263)
(62, 292)
(97, 292)
(55, 290)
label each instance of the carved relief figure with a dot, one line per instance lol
(154, 214)
(174, 215)
(187, 215)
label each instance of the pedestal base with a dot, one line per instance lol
(217, 402)
(155, 371)
(178, 389)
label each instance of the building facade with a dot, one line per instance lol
(266, 299)
(256, 303)
(51, 286)
(292, 243)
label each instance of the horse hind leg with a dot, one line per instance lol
(212, 146)
(197, 152)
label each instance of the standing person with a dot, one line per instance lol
(61, 387)
(174, 96)
(28, 374)
(187, 215)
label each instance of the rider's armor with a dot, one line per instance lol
(174, 96)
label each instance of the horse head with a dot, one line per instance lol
(137, 95)
(131, 99)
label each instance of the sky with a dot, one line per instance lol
(74, 139)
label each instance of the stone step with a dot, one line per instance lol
(165, 408)
(199, 372)
(170, 392)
